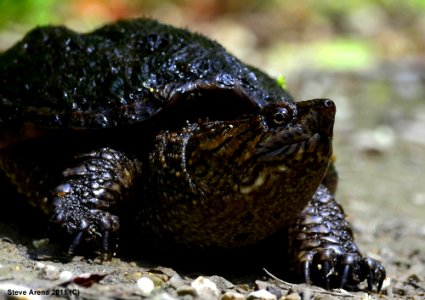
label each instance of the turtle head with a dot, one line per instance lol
(278, 156)
(297, 133)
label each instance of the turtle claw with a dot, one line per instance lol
(375, 273)
(318, 267)
(107, 252)
(326, 271)
(105, 255)
(305, 267)
(340, 270)
(105, 241)
(306, 262)
(90, 192)
(75, 242)
(84, 224)
(344, 275)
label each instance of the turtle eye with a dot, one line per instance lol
(281, 116)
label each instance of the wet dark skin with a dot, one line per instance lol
(146, 121)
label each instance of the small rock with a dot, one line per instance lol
(163, 270)
(146, 285)
(135, 275)
(221, 283)
(156, 278)
(49, 272)
(275, 291)
(293, 296)
(163, 296)
(186, 290)
(232, 296)
(262, 285)
(39, 266)
(40, 243)
(176, 281)
(205, 288)
(306, 294)
(261, 295)
(65, 275)
(242, 287)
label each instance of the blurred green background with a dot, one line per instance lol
(277, 35)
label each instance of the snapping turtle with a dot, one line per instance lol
(139, 120)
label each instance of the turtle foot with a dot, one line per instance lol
(85, 204)
(323, 250)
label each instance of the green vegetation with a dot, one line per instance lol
(283, 34)
(281, 81)
(37, 12)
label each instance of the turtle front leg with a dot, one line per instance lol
(322, 247)
(85, 203)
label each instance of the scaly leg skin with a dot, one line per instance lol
(84, 204)
(322, 248)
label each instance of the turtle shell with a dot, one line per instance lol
(125, 73)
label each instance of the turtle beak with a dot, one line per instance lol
(318, 114)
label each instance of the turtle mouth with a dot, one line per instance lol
(299, 147)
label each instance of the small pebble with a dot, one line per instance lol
(65, 275)
(39, 266)
(261, 295)
(242, 287)
(163, 296)
(232, 296)
(165, 271)
(40, 243)
(221, 282)
(135, 275)
(176, 281)
(146, 285)
(49, 272)
(156, 278)
(293, 296)
(185, 290)
(275, 291)
(205, 288)
(132, 264)
(261, 285)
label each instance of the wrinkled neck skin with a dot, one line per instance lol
(249, 171)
